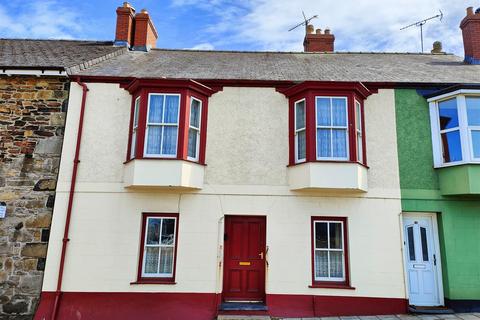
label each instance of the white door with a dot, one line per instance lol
(422, 260)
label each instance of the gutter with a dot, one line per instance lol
(76, 161)
(32, 72)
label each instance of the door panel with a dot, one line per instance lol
(420, 257)
(244, 264)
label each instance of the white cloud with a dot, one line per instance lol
(45, 20)
(367, 25)
(203, 46)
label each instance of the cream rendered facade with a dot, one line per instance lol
(246, 174)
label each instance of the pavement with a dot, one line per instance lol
(456, 316)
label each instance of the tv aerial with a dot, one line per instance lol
(421, 23)
(305, 22)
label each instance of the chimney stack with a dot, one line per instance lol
(135, 31)
(470, 26)
(145, 36)
(124, 29)
(318, 41)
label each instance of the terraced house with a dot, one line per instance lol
(33, 102)
(286, 184)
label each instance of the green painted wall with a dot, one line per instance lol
(458, 218)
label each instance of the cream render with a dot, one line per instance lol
(246, 174)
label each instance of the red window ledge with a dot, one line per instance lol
(331, 286)
(153, 281)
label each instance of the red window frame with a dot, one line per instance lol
(331, 284)
(156, 280)
(186, 89)
(309, 90)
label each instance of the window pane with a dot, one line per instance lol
(323, 112)
(195, 114)
(153, 139)
(171, 109)
(133, 145)
(324, 148)
(321, 264)
(359, 148)
(358, 115)
(336, 264)
(169, 146)
(168, 231)
(339, 143)
(335, 235)
(411, 244)
(476, 143)
(301, 145)
(151, 260)
(339, 111)
(423, 235)
(155, 109)
(300, 115)
(452, 147)
(135, 113)
(448, 114)
(473, 111)
(321, 235)
(192, 143)
(166, 260)
(153, 231)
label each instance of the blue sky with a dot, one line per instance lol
(367, 25)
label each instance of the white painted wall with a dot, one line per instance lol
(245, 174)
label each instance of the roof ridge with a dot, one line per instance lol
(301, 52)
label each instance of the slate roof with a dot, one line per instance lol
(293, 66)
(54, 54)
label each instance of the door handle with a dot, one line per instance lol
(434, 260)
(261, 255)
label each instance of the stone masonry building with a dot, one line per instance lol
(34, 88)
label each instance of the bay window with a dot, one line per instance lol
(327, 122)
(168, 120)
(455, 123)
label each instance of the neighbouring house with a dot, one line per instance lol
(34, 90)
(199, 183)
(439, 159)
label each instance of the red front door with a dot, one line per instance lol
(244, 258)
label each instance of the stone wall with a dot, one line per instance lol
(32, 117)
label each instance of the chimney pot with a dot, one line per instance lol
(310, 28)
(318, 31)
(126, 5)
(437, 47)
(327, 31)
(469, 11)
(144, 11)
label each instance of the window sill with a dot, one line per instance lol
(160, 158)
(153, 282)
(328, 161)
(332, 286)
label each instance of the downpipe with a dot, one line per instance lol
(76, 161)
